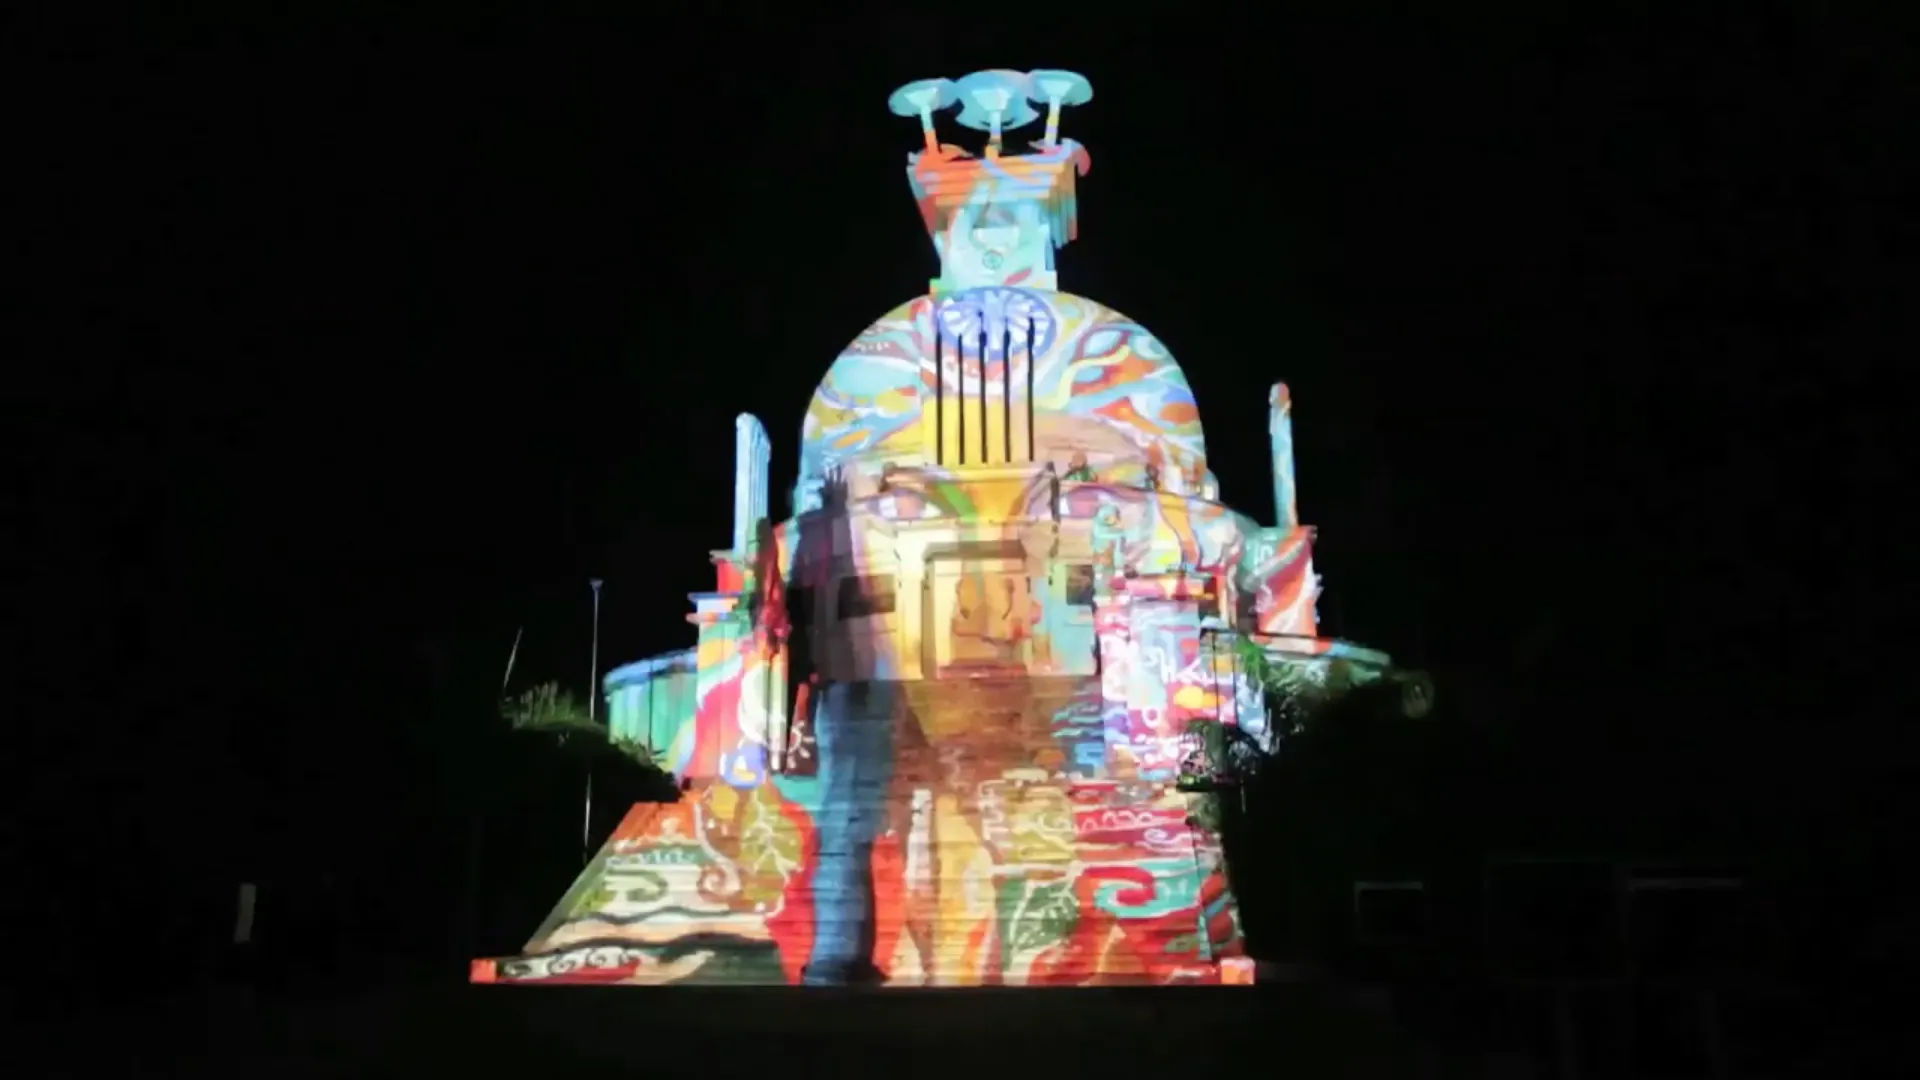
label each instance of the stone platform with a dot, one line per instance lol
(693, 1031)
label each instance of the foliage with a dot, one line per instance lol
(1222, 758)
(1302, 695)
(1336, 770)
(550, 710)
(1205, 812)
(1223, 755)
(638, 751)
(547, 708)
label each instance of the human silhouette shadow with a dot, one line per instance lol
(850, 716)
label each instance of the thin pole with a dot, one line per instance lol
(593, 676)
(593, 701)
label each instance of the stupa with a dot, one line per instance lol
(931, 729)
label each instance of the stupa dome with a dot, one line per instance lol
(1102, 394)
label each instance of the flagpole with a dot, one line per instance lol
(593, 702)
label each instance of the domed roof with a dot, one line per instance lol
(1106, 395)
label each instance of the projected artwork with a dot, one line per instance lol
(991, 618)
(930, 725)
(996, 374)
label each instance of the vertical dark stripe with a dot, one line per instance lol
(1032, 364)
(939, 392)
(983, 391)
(1006, 392)
(960, 388)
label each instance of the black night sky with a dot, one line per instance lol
(376, 341)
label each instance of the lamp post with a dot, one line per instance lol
(593, 702)
(593, 677)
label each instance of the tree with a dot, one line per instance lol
(534, 806)
(1329, 793)
(1304, 701)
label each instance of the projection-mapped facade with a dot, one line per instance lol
(932, 724)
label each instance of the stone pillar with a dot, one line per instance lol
(751, 455)
(1280, 434)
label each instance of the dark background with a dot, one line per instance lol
(369, 342)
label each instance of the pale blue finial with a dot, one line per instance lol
(1057, 88)
(922, 98)
(993, 102)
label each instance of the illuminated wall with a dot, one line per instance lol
(650, 702)
(931, 724)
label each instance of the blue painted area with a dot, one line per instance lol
(1089, 756)
(640, 670)
(650, 701)
(1176, 886)
(801, 790)
(854, 733)
(1074, 642)
(745, 767)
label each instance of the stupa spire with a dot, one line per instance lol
(996, 218)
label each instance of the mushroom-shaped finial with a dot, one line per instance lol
(994, 101)
(1057, 88)
(920, 98)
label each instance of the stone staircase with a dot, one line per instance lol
(948, 838)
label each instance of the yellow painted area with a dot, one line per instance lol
(722, 801)
(974, 411)
(1022, 431)
(950, 433)
(1196, 698)
(1042, 823)
(897, 401)
(926, 434)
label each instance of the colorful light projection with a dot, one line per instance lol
(931, 725)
